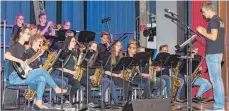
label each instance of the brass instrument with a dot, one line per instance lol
(127, 74)
(152, 71)
(30, 93)
(79, 70)
(98, 76)
(196, 74)
(175, 82)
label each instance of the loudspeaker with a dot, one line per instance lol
(148, 105)
(11, 100)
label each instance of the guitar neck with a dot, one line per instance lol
(33, 58)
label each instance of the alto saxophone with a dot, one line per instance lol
(98, 76)
(79, 70)
(175, 82)
(127, 74)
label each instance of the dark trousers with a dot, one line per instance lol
(83, 82)
(74, 83)
(126, 87)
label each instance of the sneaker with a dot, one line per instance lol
(91, 105)
(215, 109)
(67, 104)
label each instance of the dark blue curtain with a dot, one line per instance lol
(122, 15)
(50, 10)
(74, 12)
(9, 9)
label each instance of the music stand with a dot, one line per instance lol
(183, 70)
(86, 36)
(171, 63)
(161, 59)
(141, 59)
(60, 34)
(62, 74)
(123, 64)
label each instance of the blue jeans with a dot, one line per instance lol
(109, 83)
(214, 69)
(36, 79)
(168, 84)
(58, 81)
(158, 86)
(204, 86)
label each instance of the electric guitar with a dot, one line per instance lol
(23, 71)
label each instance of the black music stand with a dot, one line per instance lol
(54, 64)
(86, 36)
(123, 64)
(60, 34)
(85, 63)
(141, 59)
(161, 59)
(171, 63)
(183, 70)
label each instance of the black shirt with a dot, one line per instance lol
(71, 62)
(36, 63)
(101, 47)
(16, 50)
(217, 46)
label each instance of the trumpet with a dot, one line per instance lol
(55, 26)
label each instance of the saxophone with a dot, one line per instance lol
(152, 71)
(196, 74)
(127, 74)
(176, 83)
(30, 93)
(98, 76)
(79, 70)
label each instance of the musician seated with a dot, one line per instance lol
(35, 78)
(36, 43)
(166, 76)
(69, 55)
(104, 42)
(66, 25)
(203, 83)
(117, 76)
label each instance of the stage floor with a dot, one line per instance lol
(176, 106)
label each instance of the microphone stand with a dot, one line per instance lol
(189, 65)
(108, 48)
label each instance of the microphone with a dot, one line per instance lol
(171, 12)
(106, 19)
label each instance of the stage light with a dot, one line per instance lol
(151, 32)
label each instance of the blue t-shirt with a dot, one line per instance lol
(217, 46)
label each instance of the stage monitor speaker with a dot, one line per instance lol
(151, 105)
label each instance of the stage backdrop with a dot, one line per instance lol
(122, 18)
(197, 20)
